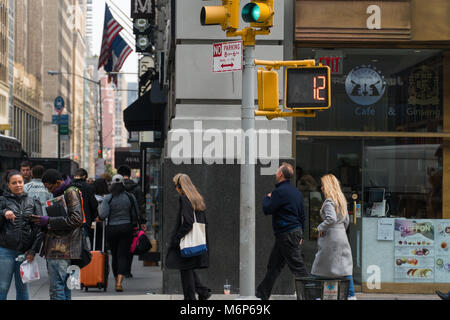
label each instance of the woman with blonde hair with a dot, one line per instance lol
(191, 203)
(334, 256)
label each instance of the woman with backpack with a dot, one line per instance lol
(18, 234)
(120, 208)
(192, 208)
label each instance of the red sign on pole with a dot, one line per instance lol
(227, 56)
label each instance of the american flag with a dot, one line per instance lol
(119, 52)
(111, 30)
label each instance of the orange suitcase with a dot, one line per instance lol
(95, 274)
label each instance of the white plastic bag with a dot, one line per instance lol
(29, 271)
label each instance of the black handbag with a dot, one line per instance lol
(141, 243)
(86, 256)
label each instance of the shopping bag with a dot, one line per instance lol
(29, 271)
(194, 243)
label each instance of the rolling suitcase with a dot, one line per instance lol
(95, 274)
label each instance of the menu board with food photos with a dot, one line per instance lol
(442, 259)
(421, 251)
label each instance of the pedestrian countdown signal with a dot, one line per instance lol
(308, 88)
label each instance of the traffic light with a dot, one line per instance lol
(259, 13)
(308, 88)
(226, 15)
(268, 99)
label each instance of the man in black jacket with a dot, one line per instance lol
(285, 205)
(133, 187)
(90, 203)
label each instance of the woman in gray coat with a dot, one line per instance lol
(334, 256)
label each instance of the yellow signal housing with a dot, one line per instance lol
(226, 15)
(268, 99)
(259, 13)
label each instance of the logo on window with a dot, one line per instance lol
(365, 85)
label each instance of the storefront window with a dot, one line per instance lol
(398, 90)
(393, 177)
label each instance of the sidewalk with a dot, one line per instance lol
(146, 284)
(360, 296)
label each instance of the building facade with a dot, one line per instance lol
(64, 45)
(204, 108)
(4, 65)
(27, 114)
(121, 102)
(92, 112)
(385, 135)
(108, 119)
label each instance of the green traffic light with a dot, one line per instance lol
(251, 12)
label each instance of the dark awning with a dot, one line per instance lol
(147, 112)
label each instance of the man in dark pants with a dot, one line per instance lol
(285, 205)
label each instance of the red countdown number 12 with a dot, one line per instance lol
(317, 89)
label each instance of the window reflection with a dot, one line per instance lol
(380, 90)
(393, 177)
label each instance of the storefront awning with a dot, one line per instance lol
(147, 112)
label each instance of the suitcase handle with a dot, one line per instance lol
(95, 236)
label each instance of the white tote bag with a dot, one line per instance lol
(194, 243)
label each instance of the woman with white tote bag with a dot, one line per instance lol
(189, 246)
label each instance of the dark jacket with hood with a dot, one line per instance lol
(174, 260)
(64, 234)
(21, 235)
(90, 203)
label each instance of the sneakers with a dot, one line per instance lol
(443, 296)
(352, 298)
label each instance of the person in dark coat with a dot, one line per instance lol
(90, 204)
(18, 234)
(191, 202)
(285, 205)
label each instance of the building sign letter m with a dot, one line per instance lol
(141, 9)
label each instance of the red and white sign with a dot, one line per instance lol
(227, 56)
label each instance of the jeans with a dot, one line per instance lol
(351, 289)
(57, 276)
(287, 250)
(9, 268)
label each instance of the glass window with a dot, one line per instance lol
(380, 90)
(393, 177)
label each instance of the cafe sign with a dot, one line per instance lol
(365, 85)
